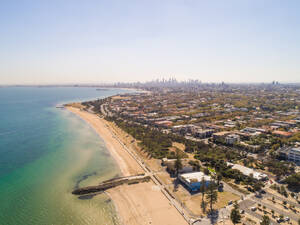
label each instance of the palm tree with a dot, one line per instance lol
(212, 195)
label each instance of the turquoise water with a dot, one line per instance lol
(44, 153)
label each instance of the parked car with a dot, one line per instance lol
(253, 208)
(230, 202)
(242, 211)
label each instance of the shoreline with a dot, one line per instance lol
(137, 204)
(123, 160)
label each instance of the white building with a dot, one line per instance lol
(248, 171)
(194, 180)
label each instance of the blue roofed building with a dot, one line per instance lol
(193, 181)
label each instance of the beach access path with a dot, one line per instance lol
(144, 203)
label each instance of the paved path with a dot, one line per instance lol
(228, 188)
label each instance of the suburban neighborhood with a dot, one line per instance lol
(218, 150)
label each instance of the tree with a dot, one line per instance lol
(284, 202)
(265, 220)
(178, 163)
(299, 222)
(257, 186)
(281, 217)
(235, 215)
(202, 190)
(212, 194)
(293, 181)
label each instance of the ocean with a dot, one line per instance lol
(45, 152)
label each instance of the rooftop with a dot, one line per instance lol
(248, 171)
(194, 177)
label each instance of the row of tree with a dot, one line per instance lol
(236, 217)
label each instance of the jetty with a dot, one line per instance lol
(112, 183)
(60, 106)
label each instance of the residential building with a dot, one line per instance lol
(294, 155)
(291, 154)
(232, 139)
(203, 133)
(220, 136)
(282, 133)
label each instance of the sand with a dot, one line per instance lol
(144, 203)
(136, 204)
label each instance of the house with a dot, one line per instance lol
(203, 133)
(230, 124)
(282, 133)
(253, 131)
(253, 148)
(164, 123)
(232, 139)
(193, 181)
(284, 124)
(184, 129)
(220, 136)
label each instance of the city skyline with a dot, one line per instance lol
(72, 42)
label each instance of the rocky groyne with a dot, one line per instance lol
(111, 183)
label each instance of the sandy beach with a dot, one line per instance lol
(136, 204)
(126, 163)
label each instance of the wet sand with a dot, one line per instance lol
(126, 163)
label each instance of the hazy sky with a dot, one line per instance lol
(62, 41)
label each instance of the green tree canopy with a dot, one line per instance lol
(265, 220)
(235, 215)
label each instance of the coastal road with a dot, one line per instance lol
(249, 202)
(268, 194)
(276, 209)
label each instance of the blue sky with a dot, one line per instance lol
(43, 42)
